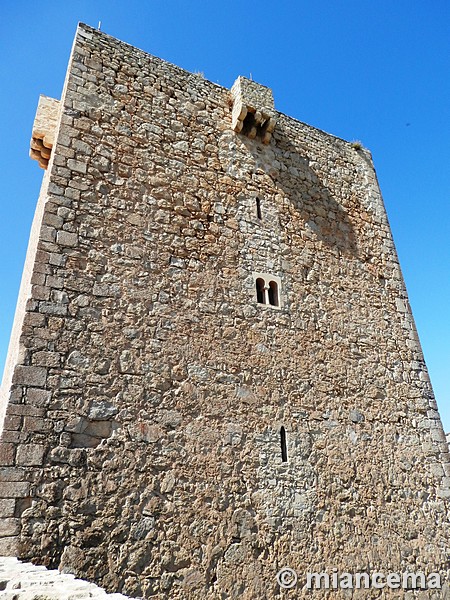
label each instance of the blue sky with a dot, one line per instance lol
(378, 72)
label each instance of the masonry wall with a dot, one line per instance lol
(141, 446)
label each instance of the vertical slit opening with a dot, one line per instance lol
(283, 444)
(258, 208)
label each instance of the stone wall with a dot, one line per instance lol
(141, 446)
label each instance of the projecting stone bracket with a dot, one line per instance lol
(253, 109)
(44, 128)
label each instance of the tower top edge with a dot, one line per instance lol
(88, 32)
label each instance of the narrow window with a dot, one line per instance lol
(283, 444)
(258, 208)
(273, 293)
(260, 290)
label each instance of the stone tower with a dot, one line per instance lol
(214, 370)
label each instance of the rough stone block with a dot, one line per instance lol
(54, 282)
(42, 257)
(25, 410)
(77, 166)
(443, 493)
(53, 220)
(66, 238)
(105, 289)
(46, 359)
(7, 507)
(12, 422)
(14, 489)
(27, 375)
(30, 454)
(51, 308)
(40, 292)
(145, 432)
(9, 546)
(72, 194)
(12, 437)
(55, 189)
(37, 279)
(9, 527)
(38, 397)
(12, 474)
(101, 429)
(58, 260)
(36, 424)
(7, 453)
(82, 440)
(47, 234)
(34, 319)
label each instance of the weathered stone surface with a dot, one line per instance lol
(32, 376)
(10, 527)
(9, 546)
(197, 439)
(7, 507)
(14, 489)
(30, 454)
(7, 453)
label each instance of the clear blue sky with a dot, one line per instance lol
(378, 72)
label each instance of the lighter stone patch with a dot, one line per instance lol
(25, 581)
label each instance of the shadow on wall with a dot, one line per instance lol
(311, 203)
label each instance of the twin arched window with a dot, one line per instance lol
(267, 290)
